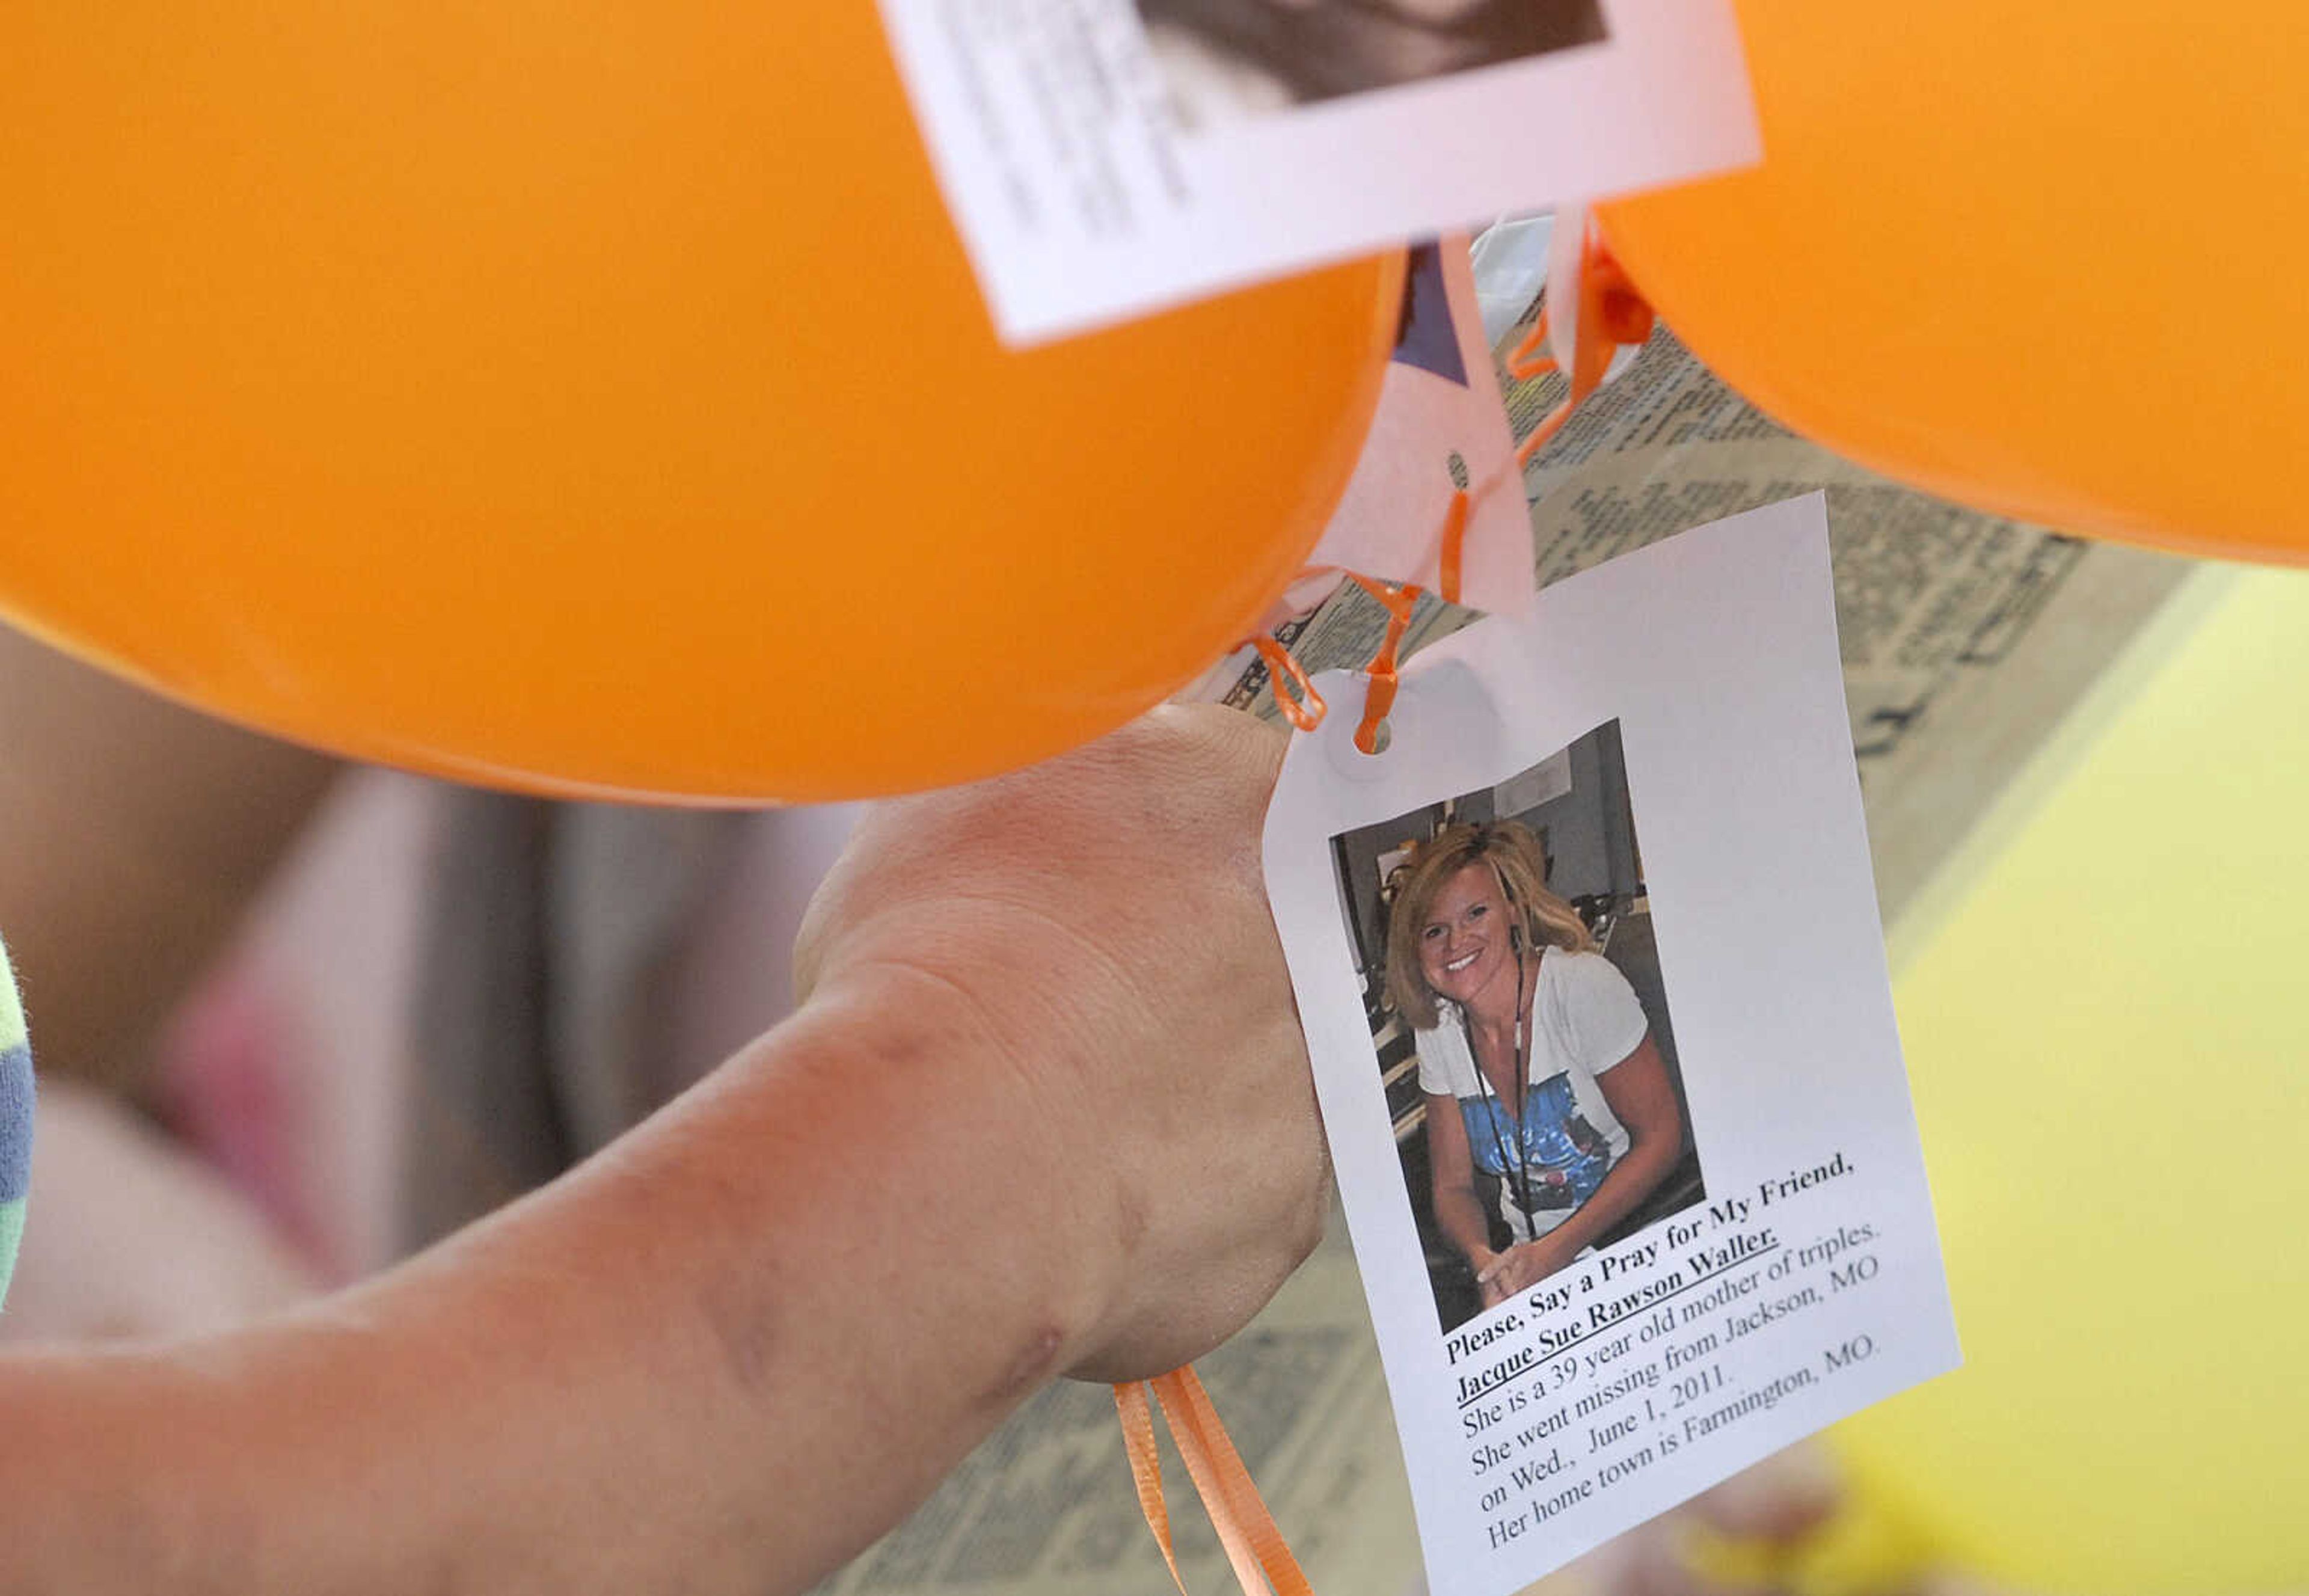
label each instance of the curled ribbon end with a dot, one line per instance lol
(1254, 1546)
(1302, 705)
(1400, 603)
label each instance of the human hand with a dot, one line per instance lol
(1522, 1266)
(1789, 1524)
(1099, 926)
(1744, 1537)
(1487, 1264)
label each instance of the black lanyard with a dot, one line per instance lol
(1520, 1168)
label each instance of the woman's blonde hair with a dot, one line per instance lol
(1511, 852)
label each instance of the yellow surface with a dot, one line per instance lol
(598, 397)
(2032, 257)
(2108, 1038)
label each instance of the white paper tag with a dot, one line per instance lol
(1668, 731)
(1441, 427)
(1107, 157)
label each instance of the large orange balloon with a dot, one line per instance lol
(596, 398)
(2041, 258)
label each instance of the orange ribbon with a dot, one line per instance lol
(1399, 603)
(1609, 312)
(1303, 707)
(1455, 542)
(1254, 1546)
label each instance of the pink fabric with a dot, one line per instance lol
(285, 1068)
(236, 1091)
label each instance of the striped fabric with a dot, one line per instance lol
(15, 1121)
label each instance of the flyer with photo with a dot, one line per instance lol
(1103, 158)
(1588, 960)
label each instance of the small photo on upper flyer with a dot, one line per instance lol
(1512, 980)
(1238, 57)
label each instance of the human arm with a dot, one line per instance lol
(1451, 1174)
(1045, 1109)
(1641, 1096)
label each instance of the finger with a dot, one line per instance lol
(1781, 1499)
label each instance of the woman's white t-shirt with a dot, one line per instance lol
(1585, 1019)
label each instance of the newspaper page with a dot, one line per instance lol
(1966, 638)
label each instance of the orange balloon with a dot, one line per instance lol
(598, 400)
(2039, 258)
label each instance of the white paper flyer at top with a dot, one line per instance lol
(1104, 158)
(1592, 982)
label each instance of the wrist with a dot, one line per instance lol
(999, 1152)
(768, 1250)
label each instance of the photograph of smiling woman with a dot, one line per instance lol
(1543, 1076)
